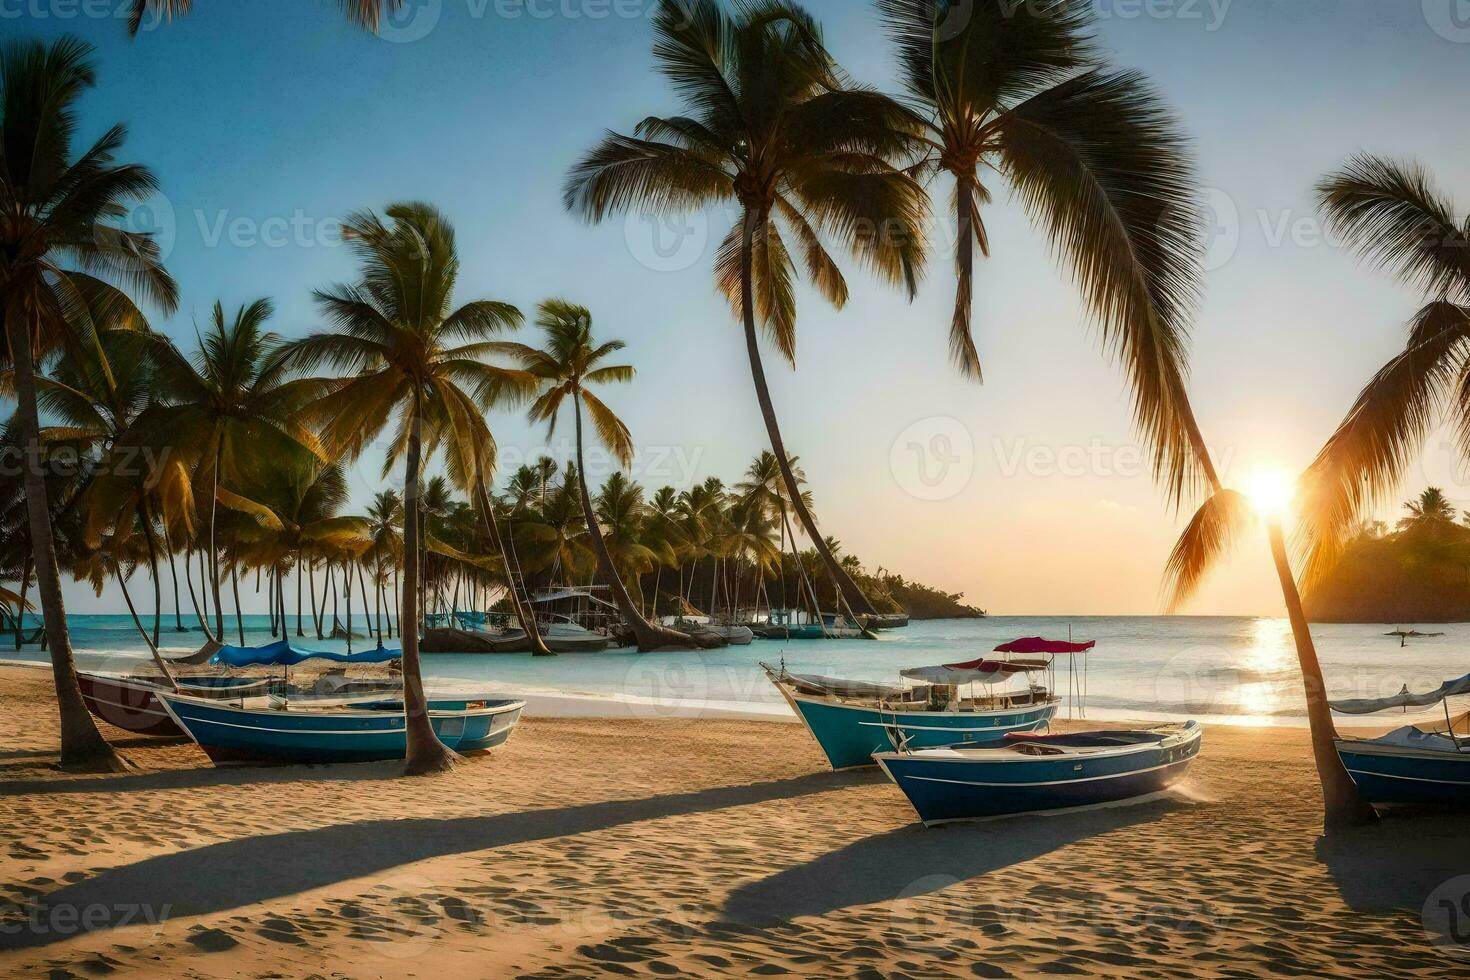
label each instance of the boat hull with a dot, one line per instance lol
(806, 631)
(134, 706)
(949, 789)
(1384, 775)
(370, 732)
(850, 734)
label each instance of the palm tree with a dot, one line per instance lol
(408, 359)
(770, 126)
(566, 366)
(1097, 161)
(1392, 215)
(233, 412)
(56, 210)
(367, 14)
(385, 517)
(621, 516)
(1430, 512)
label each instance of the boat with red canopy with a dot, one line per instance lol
(931, 706)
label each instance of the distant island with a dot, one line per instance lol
(1416, 572)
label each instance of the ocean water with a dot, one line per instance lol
(1223, 669)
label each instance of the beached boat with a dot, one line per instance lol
(1026, 773)
(278, 730)
(1424, 763)
(851, 719)
(132, 703)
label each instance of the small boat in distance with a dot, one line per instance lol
(850, 720)
(732, 634)
(276, 730)
(1424, 763)
(1029, 773)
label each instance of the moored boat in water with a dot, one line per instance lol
(1025, 773)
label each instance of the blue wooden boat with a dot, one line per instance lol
(1424, 763)
(851, 719)
(1026, 773)
(279, 730)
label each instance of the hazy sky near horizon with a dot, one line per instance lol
(267, 122)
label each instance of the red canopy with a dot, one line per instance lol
(993, 666)
(1035, 644)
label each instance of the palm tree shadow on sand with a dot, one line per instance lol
(248, 870)
(915, 860)
(1399, 863)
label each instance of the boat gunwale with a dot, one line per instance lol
(1009, 753)
(344, 710)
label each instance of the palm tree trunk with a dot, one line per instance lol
(83, 749)
(362, 587)
(1343, 805)
(961, 345)
(152, 567)
(347, 585)
(316, 616)
(219, 610)
(300, 566)
(426, 754)
(235, 587)
(855, 597)
(152, 646)
(650, 637)
(512, 573)
(173, 573)
(332, 591)
(20, 613)
(378, 599)
(199, 614)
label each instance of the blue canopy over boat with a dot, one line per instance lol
(282, 654)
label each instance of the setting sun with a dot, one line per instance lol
(1270, 491)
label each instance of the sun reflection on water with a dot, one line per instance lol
(1266, 670)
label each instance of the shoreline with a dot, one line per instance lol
(545, 702)
(653, 847)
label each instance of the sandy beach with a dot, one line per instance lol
(589, 846)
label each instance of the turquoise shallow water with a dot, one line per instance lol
(1215, 668)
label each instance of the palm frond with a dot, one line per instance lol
(1102, 165)
(1210, 534)
(1394, 218)
(1364, 460)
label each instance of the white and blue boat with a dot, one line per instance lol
(280, 730)
(1030, 773)
(851, 719)
(1424, 763)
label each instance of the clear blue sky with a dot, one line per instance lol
(266, 121)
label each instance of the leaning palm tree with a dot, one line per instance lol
(1096, 160)
(409, 360)
(57, 207)
(566, 366)
(770, 126)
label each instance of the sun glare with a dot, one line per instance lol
(1270, 491)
